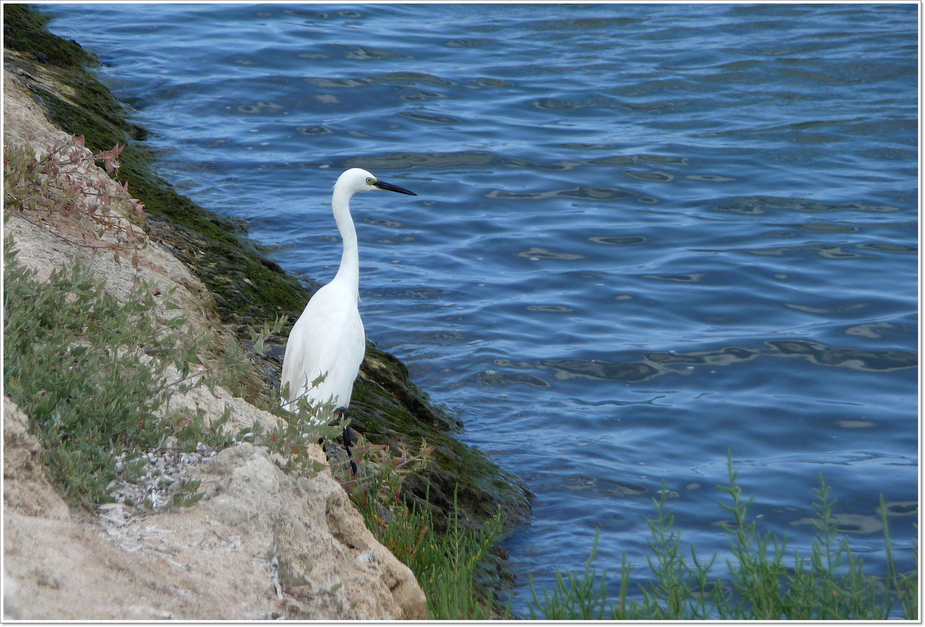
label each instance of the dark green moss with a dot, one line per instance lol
(388, 409)
(24, 31)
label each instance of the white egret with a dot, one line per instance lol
(328, 338)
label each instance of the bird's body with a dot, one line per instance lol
(331, 326)
(328, 342)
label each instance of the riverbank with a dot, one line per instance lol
(225, 282)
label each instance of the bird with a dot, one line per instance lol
(327, 343)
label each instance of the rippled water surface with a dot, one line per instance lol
(645, 236)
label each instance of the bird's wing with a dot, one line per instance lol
(299, 359)
(328, 339)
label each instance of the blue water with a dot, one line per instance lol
(645, 236)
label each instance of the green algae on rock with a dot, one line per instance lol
(24, 31)
(249, 288)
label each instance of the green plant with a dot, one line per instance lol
(380, 471)
(91, 373)
(757, 575)
(296, 432)
(579, 597)
(906, 586)
(452, 592)
(445, 565)
(56, 181)
(830, 586)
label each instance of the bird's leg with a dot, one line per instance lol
(348, 437)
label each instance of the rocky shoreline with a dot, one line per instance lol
(228, 284)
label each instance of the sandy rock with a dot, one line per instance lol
(327, 560)
(213, 404)
(42, 251)
(256, 529)
(25, 486)
(21, 109)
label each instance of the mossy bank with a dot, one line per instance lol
(249, 288)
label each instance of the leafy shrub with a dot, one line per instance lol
(56, 181)
(91, 373)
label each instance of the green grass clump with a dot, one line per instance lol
(91, 373)
(831, 585)
(445, 565)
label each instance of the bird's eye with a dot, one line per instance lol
(370, 181)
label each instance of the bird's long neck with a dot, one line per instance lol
(349, 270)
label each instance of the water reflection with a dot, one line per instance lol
(480, 159)
(604, 487)
(337, 83)
(365, 53)
(658, 177)
(261, 107)
(314, 130)
(430, 118)
(869, 330)
(582, 192)
(901, 508)
(853, 359)
(631, 240)
(535, 253)
(414, 78)
(757, 205)
(889, 247)
(828, 252)
(652, 365)
(823, 227)
(431, 160)
(847, 523)
(677, 278)
(490, 377)
(855, 424)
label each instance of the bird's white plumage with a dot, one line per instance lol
(328, 338)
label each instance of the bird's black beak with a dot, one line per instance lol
(393, 188)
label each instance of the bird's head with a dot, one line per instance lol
(358, 180)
